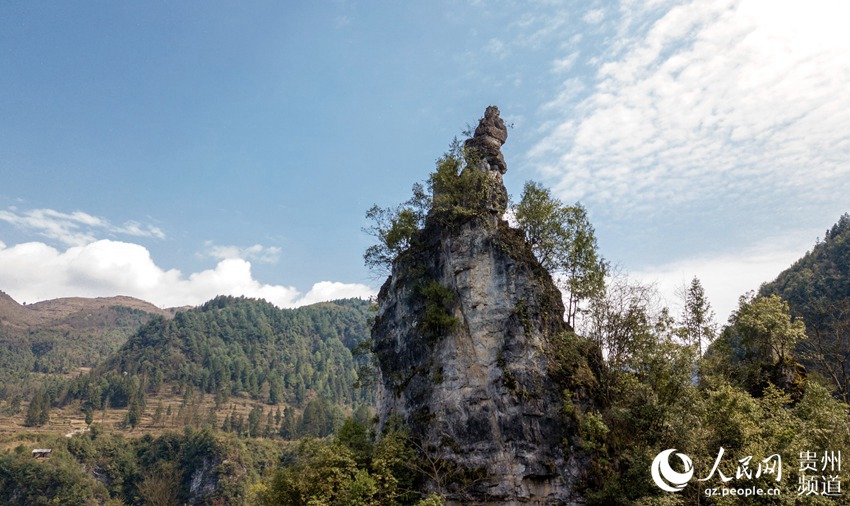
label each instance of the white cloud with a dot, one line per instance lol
(537, 26)
(257, 252)
(36, 271)
(564, 64)
(73, 229)
(332, 290)
(731, 97)
(497, 48)
(725, 276)
(594, 16)
(136, 229)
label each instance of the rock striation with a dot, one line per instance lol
(461, 338)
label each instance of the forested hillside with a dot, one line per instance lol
(242, 378)
(238, 376)
(101, 468)
(238, 346)
(817, 289)
(60, 336)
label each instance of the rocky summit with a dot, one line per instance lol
(461, 336)
(486, 147)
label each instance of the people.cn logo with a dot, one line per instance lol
(665, 477)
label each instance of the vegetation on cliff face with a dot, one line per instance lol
(632, 378)
(456, 191)
(561, 236)
(564, 242)
(461, 334)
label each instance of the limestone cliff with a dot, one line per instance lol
(461, 338)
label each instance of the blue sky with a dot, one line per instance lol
(172, 151)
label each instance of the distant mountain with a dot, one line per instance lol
(822, 274)
(817, 288)
(61, 308)
(14, 314)
(239, 346)
(52, 311)
(63, 335)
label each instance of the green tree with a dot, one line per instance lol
(320, 418)
(756, 348)
(456, 190)
(698, 325)
(320, 474)
(394, 229)
(14, 406)
(827, 345)
(289, 424)
(622, 320)
(134, 414)
(270, 429)
(356, 437)
(541, 218)
(38, 412)
(460, 189)
(255, 419)
(564, 242)
(161, 487)
(157, 415)
(393, 465)
(765, 328)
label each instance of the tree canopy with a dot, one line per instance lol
(564, 242)
(817, 289)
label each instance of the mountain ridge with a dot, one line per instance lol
(50, 311)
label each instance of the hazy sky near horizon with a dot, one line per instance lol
(175, 151)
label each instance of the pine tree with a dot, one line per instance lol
(134, 414)
(289, 425)
(270, 425)
(157, 414)
(38, 412)
(212, 419)
(698, 317)
(255, 419)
